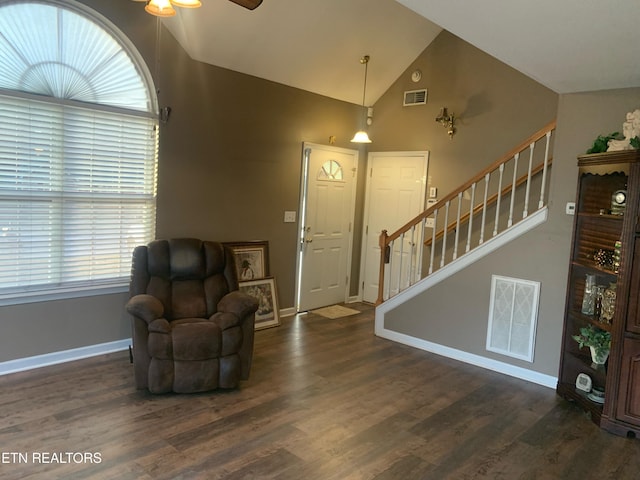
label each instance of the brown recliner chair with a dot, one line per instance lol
(192, 329)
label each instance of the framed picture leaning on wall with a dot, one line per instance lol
(251, 259)
(264, 290)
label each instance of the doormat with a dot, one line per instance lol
(335, 311)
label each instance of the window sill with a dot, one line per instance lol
(61, 294)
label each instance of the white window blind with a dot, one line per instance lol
(77, 178)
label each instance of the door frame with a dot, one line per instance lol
(304, 178)
(367, 201)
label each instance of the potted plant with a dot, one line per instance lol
(598, 341)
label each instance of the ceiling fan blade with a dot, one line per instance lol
(250, 4)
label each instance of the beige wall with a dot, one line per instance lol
(496, 106)
(230, 157)
(229, 166)
(455, 312)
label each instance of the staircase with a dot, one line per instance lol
(498, 204)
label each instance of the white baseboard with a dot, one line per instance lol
(287, 312)
(38, 361)
(470, 358)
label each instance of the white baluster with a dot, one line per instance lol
(473, 201)
(495, 226)
(513, 188)
(544, 171)
(420, 251)
(526, 196)
(484, 208)
(412, 265)
(455, 245)
(444, 237)
(400, 262)
(433, 239)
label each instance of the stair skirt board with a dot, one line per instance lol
(489, 246)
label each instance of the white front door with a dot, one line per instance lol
(396, 187)
(327, 210)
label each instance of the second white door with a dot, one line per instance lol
(396, 184)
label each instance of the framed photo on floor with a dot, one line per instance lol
(264, 290)
(251, 259)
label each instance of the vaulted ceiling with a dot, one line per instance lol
(316, 45)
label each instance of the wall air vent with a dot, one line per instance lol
(415, 97)
(513, 314)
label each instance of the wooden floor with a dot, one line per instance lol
(326, 400)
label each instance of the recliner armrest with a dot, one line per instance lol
(238, 303)
(146, 307)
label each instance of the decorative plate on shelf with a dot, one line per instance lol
(595, 398)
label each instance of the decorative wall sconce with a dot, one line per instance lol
(165, 113)
(447, 121)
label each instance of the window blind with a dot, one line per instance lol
(78, 149)
(77, 193)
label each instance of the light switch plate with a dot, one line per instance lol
(570, 208)
(289, 216)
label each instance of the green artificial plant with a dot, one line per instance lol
(591, 336)
(601, 143)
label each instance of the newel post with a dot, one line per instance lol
(384, 258)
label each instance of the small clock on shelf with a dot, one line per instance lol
(583, 382)
(618, 202)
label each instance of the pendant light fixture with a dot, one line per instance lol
(361, 136)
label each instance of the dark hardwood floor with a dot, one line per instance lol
(326, 400)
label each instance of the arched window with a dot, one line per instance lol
(78, 150)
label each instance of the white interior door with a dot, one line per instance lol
(396, 188)
(327, 211)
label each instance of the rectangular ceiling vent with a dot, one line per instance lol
(415, 97)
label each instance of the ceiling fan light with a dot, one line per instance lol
(361, 137)
(160, 8)
(187, 3)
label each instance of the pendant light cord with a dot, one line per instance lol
(365, 60)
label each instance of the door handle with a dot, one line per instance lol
(306, 238)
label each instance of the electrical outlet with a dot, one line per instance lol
(570, 208)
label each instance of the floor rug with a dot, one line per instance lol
(335, 311)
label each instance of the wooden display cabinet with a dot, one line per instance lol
(596, 228)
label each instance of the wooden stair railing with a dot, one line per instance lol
(511, 158)
(490, 201)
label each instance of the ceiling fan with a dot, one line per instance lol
(164, 8)
(250, 4)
